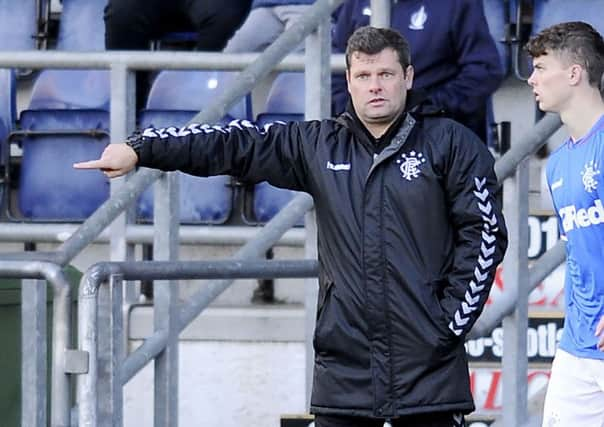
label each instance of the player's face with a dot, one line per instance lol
(378, 88)
(550, 82)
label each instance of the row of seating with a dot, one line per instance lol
(53, 138)
(67, 120)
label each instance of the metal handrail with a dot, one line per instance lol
(95, 276)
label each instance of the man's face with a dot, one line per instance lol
(551, 82)
(378, 87)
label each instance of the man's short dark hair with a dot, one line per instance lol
(372, 40)
(577, 42)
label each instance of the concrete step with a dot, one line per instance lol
(276, 323)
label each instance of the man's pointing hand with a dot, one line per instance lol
(116, 160)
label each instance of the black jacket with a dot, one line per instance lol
(409, 238)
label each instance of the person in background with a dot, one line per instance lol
(567, 78)
(134, 24)
(454, 56)
(409, 234)
(273, 17)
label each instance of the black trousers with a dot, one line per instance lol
(133, 24)
(440, 419)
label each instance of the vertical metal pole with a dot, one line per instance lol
(60, 398)
(317, 80)
(87, 342)
(33, 353)
(380, 13)
(515, 278)
(110, 353)
(122, 122)
(165, 295)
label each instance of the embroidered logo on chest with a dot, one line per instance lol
(589, 173)
(410, 163)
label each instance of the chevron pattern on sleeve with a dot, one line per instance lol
(483, 263)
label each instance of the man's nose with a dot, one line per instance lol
(531, 79)
(375, 86)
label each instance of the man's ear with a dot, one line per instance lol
(409, 74)
(348, 80)
(576, 73)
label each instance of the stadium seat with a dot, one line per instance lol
(550, 12)
(67, 120)
(17, 32)
(174, 99)
(495, 12)
(18, 25)
(7, 109)
(81, 27)
(285, 102)
(50, 189)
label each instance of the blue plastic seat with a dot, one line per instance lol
(285, 102)
(7, 110)
(18, 25)
(50, 189)
(285, 97)
(174, 99)
(81, 26)
(496, 15)
(17, 32)
(67, 120)
(193, 90)
(550, 12)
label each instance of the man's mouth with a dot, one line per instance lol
(375, 101)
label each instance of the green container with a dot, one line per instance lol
(10, 344)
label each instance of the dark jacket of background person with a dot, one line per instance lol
(409, 236)
(452, 52)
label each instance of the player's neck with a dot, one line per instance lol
(582, 114)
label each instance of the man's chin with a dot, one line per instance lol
(380, 118)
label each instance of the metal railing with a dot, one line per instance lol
(74, 238)
(110, 213)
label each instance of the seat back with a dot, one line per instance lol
(8, 89)
(285, 102)
(18, 25)
(67, 121)
(193, 91)
(174, 99)
(50, 189)
(286, 95)
(497, 18)
(202, 200)
(550, 12)
(71, 90)
(81, 27)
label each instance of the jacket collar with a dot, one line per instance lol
(415, 99)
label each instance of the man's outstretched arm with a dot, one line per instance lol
(276, 153)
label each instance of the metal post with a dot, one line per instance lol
(34, 353)
(35, 366)
(165, 295)
(380, 13)
(110, 353)
(515, 274)
(87, 342)
(60, 398)
(317, 79)
(122, 122)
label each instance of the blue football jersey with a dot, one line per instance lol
(576, 184)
